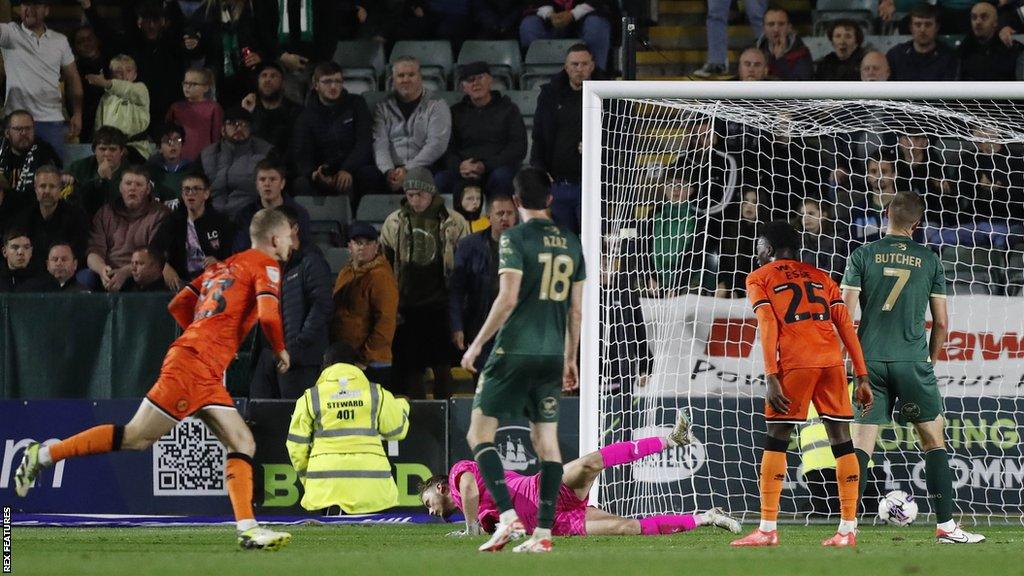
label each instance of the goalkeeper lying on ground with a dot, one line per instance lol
(464, 489)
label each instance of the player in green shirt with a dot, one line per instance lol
(538, 311)
(893, 280)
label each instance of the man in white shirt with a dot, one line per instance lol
(36, 59)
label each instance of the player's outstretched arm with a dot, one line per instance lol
(570, 376)
(183, 305)
(508, 296)
(940, 326)
(470, 503)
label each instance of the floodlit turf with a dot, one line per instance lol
(413, 550)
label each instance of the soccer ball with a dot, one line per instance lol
(897, 508)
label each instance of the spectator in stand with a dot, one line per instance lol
(432, 19)
(62, 265)
(864, 212)
(16, 275)
(234, 37)
(983, 56)
(270, 185)
(366, 304)
(918, 172)
(717, 25)
(843, 63)
(89, 60)
(125, 102)
(953, 15)
(333, 139)
(558, 136)
(874, 67)
(419, 241)
(231, 162)
(52, 219)
(788, 57)
(923, 57)
(21, 153)
(201, 117)
(166, 166)
(586, 19)
(488, 140)
(193, 236)
(473, 285)
(97, 178)
(411, 127)
(469, 201)
(753, 65)
(146, 266)
(990, 189)
(120, 228)
(306, 310)
(273, 115)
(36, 59)
(497, 19)
(739, 241)
(821, 247)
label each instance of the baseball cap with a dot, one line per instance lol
(359, 229)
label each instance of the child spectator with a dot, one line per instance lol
(125, 102)
(470, 203)
(166, 166)
(197, 113)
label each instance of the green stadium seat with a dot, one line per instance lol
(361, 59)
(526, 101)
(375, 208)
(336, 258)
(975, 269)
(544, 58)
(451, 97)
(373, 98)
(435, 57)
(884, 43)
(328, 215)
(74, 152)
(820, 46)
(501, 55)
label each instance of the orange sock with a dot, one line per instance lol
(96, 440)
(238, 477)
(848, 477)
(773, 474)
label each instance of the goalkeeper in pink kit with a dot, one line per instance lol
(463, 489)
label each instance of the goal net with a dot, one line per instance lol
(678, 177)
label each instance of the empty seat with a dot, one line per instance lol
(376, 207)
(451, 97)
(544, 58)
(435, 57)
(884, 43)
(74, 152)
(820, 46)
(502, 56)
(336, 258)
(981, 268)
(526, 101)
(328, 215)
(361, 59)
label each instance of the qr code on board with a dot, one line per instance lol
(188, 461)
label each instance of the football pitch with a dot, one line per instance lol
(411, 550)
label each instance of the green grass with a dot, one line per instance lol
(412, 550)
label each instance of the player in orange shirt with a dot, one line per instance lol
(217, 310)
(799, 310)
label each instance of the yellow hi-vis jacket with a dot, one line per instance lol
(815, 449)
(334, 441)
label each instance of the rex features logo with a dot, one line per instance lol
(735, 338)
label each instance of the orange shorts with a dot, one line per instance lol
(826, 387)
(187, 385)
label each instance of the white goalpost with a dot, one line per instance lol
(677, 178)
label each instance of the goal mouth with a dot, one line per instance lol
(679, 178)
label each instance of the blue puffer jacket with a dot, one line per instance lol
(306, 305)
(471, 289)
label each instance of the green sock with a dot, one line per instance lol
(862, 458)
(939, 480)
(487, 459)
(550, 484)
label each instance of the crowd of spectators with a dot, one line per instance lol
(199, 114)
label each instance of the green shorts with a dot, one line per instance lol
(909, 388)
(513, 386)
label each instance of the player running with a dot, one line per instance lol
(894, 279)
(534, 356)
(463, 489)
(799, 310)
(217, 310)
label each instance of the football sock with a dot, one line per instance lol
(946, 526)
(486, 456)
(773, 474)
(863, 459)
(96, 440)
(939, 480)
(625, 452)
(550, 484)
(847, 526)
(238, 477)
(670, 524)
(45, 459)
(541, 533)
(848, 478)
